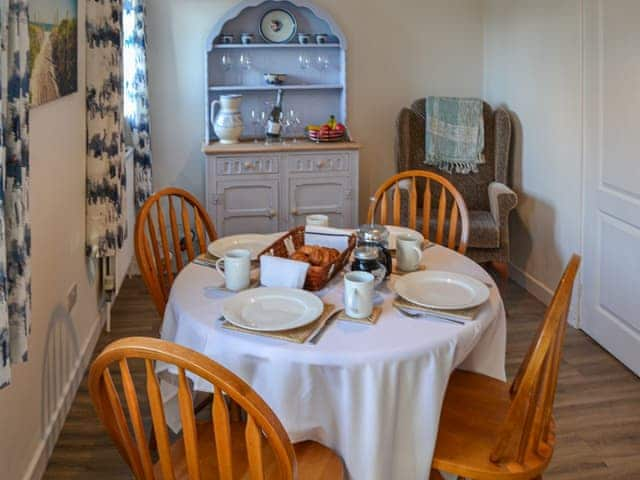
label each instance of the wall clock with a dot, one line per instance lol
(278, 26)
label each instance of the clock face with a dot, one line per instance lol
(278, 26)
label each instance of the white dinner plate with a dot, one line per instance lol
(272, 309)
(254, 243)
(442, 290)
(394, 231)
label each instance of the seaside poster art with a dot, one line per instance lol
(53, 59)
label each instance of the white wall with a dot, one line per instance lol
(398, 51)
(533, 67)
(29, 405)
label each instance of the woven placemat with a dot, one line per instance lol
(295, 335)
(206, 260)
(467, 314)
(370, 320)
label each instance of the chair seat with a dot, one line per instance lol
(315, 461)
(472, 413)
(483, 230)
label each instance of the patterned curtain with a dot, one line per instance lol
(15, 225)
(106, 174)
(136, 103)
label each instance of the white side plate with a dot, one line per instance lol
(272, 309)
(442, 290)
(254, 243)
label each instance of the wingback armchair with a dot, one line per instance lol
(488, 198)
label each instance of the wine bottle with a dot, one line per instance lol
(274, 127)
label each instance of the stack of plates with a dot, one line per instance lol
(442, 290)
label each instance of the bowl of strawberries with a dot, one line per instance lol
(332, 131)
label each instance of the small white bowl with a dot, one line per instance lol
(275, 78)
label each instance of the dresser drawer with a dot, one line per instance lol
(318, 162)
(246, 165)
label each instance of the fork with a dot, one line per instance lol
(406, 313)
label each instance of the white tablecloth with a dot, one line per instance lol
(371, 393)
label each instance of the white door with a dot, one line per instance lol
(611, 267)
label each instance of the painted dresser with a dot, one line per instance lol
(255, 188)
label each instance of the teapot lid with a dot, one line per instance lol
(373, 233)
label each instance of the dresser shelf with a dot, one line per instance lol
(275, 45)
(269, 88)
(313, 93)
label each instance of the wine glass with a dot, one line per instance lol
(256, 120)
(285, 121)
(322, 63)
(304, 61)
(264, 118)
(226, 61)
(296, 122)
(245, 62)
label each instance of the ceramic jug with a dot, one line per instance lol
(227, 123)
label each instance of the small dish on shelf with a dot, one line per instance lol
(275, 78)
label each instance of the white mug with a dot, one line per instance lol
(237, 269)
(318, 220)
(358, 294)
(408, 252)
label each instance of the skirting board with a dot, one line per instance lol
(531, 284)
(543, 293)
(40, 458)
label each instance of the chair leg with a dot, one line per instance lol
(435, 475)
(502, 268)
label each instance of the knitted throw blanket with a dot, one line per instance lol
(454, 134)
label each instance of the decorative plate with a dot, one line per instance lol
(272, 309)
(442, 290)
(278, 26)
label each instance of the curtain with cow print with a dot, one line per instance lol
(15, 225)
(106, 173)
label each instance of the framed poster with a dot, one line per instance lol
(53, 58)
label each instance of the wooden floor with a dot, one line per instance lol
(597, 406)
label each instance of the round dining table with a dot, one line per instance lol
(372, 393)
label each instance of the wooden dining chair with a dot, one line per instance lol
(490, 430)
(218, 449)
(165, 240)
(425, 190)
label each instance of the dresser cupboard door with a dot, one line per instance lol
(246, 206)
(331, 196)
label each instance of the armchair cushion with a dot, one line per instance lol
(484, 232)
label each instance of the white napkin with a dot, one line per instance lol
(337, 238)
(282, 272)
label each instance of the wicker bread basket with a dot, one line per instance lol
(317, 277)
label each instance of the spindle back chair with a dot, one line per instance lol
(262, 430)
(509, 430)
(164, 236)
(389, 197)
